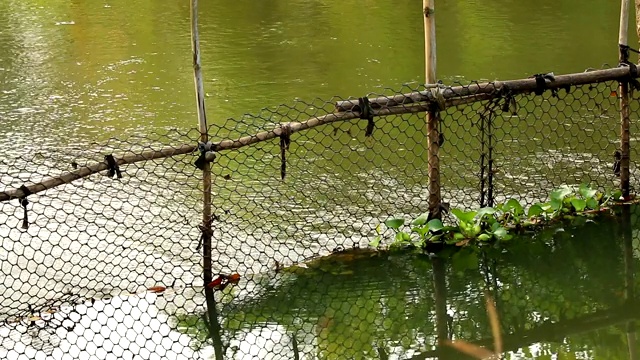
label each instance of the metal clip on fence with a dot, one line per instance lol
(207, 154)
(366, 113)
(285, 141)
(114, 169)
(24, 202)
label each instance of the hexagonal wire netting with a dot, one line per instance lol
(111, 267)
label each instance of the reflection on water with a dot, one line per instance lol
(558, 293)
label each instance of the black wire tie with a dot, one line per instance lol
(114, 169)
(285, 141)
(366, 113)
(541, 82)
(207, 154)
(617, 157)
(24, 202)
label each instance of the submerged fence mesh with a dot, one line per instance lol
(111, 267)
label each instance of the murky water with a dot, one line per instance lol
(77, 73)
(83, 71)
(559, 294)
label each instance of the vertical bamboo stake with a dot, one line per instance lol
(433, 136)
(483, 155)
(638, 19)
(213, 323)
(624, 101)
(429, 40)
(202, 120)
(629, 271)
(490, 160)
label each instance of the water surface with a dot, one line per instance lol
(74, 74)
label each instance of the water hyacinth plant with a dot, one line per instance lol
(490, 224)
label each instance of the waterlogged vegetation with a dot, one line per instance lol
(495, 224)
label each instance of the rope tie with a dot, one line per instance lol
(633, 68)
(440, 103)
(541, 82)
(205, 230)
(207, 154)
(24, 202)
(114, 169)
(285, 141)
(366, 113)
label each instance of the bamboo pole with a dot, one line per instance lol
(638, 20)
(411, 103)
(625, 148)
(204, 138)
(516, 87)
(428, 8)
(624, 22)
(433, 116)
(224, 145)
(490, 161)
(207, 233)
(483, 156)
(92, 169)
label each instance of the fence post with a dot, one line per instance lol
(433, 117)
(213, 323)
(204, 138)
(624, 100)
(490, 160)
(638, 18)
(483, 168)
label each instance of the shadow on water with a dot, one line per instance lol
(567, 290)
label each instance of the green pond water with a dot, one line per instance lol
(75, 73)
(563, 293)
(81, 71)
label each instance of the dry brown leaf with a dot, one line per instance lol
(157, 289)
(234, 278)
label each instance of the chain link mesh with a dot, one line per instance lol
(112, 268)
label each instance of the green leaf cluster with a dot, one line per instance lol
(491, 224)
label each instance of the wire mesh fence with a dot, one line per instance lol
(107, 262)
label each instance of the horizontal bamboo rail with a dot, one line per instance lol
(227, 144)
(89, 170)
(515, 87)
(415, 102)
